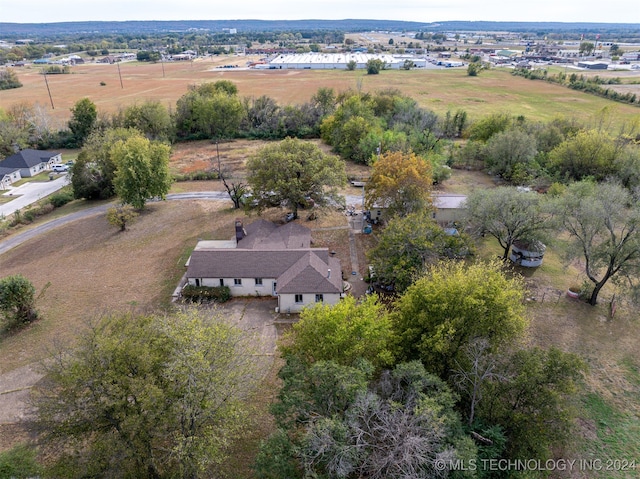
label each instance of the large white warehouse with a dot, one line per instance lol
(338, 61)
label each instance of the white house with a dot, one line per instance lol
(8, 176)
(269, 260)
(31, 162)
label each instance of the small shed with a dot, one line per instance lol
(527, 253)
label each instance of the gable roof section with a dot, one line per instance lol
(262, 234)
(241, 263)
(310, 274)
(7, 171)
(27, 159)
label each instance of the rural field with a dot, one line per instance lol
(440, 90)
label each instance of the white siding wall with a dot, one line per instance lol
(248, 287)
(287, 302)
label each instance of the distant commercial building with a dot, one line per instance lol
(593, 65)
(338, 61)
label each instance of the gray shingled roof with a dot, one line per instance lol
(27, 159)
(7, 170)
(271, 251)
(310, 274)
(262, 234)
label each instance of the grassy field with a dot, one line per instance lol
(440, 90)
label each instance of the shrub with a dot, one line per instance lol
(61, 198)
(197, 176)
(19, 462)
(219, 294)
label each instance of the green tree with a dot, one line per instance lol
(586, 47)
(409, 244)
(589, 153)
(350, 332)
(452, 304)
(142, 170)
(349, 426)
(352, 65)
(93, 172)
(489, 125)
(120, 216)
(507, 214)
(147, 396)
(210, 110)
(17, 300)
(401, 183)
(374, 66)
(534, 401)
(473, 69)
(352, 121)
(292, 172)
(151, 118)
(9, 79)
(84, 116)
(510, 150)
(603, 222)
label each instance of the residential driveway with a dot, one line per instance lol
(30, 193)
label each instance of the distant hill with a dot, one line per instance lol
(20, 30)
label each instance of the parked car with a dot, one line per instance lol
(60, 168)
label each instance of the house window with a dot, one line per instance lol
(298, 298)
(237, 282)
(221, 282)
(197, 282)
(258, 281)
(319, 298)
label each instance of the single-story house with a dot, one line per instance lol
(31, 162)
(8, 176)
(449, 208)
(265, 259)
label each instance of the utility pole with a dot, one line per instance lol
(120, 75)
(48, 90)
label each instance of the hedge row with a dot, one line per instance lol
(196, 294)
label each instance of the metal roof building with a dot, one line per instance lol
(337, 61)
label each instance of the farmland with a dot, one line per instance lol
(439, 90)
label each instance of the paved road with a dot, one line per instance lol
(30, 193)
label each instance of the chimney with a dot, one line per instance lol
(240, 233)
(329, 273)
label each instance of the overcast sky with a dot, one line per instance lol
(43, 11)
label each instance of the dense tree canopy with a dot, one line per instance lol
(452, 304)
(603, 222)
(401, 183)
(409, 244)
(84, 116)
(93, 172)
(350, 332)
(293, 173)
(17, 301)
(146, 396)
(507, 214)
(151, 118)
(142, 170)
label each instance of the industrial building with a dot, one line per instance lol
(338, 61)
